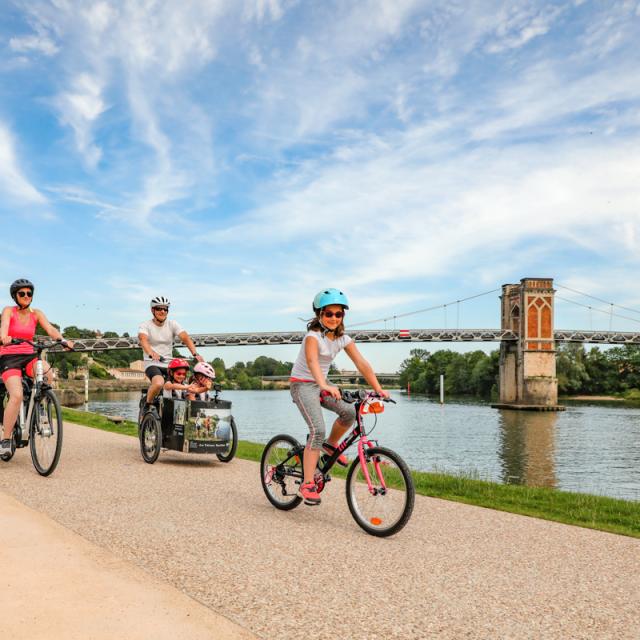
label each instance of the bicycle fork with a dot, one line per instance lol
(362, 444)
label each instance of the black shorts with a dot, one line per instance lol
(152, 371)
(15, 361)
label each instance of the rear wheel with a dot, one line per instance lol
(387, 507)
(281, 471)
(229, 453)
(46, 433)
(150, 437)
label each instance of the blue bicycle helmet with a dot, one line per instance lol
(329, 296)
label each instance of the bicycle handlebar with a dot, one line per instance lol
(41, 345)
(360, 394)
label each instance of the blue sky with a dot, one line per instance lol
(237, 156)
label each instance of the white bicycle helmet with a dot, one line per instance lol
(160, 301)
(205, 369)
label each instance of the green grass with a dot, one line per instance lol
(584, 510)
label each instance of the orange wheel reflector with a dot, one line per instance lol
(375, 521)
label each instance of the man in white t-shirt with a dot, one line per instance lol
(156, 338)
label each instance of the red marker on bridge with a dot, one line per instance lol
(404, 333)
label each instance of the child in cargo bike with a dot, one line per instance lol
(176, 385)
(311, 391)
(203, 376)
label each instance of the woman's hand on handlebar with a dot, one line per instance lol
(7, 340)
(155, 356)
(67, 344)
(383, 393)
(334, 392)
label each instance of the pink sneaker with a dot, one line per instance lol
(309, 493)
(342, 459)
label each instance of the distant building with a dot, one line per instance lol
(137, 365)
(120, 373)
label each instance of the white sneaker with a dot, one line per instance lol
(5, 447)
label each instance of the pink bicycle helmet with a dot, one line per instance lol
(205, 369)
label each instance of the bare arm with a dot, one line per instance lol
(365, 368)
(178, 386)
(143, 338)
(4, 329)
(188, 342)
(51, 331)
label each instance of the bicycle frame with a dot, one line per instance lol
(358, 433)
(34, 388)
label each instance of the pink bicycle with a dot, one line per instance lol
(380, 489)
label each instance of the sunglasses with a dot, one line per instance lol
(331, 314)
(25, 294)
(164, 309)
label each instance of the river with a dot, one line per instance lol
(587, 448)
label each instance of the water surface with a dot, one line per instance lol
(591, 449)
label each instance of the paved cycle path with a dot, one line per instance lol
(55, 584)
(455, 571)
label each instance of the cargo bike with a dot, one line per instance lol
(189, 426)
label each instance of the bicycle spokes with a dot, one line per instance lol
(281, 472)
(380, 492)
(46, 433)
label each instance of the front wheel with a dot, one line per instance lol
(386, 507)
(228, 454)
(46, 433)
(150, 437)
(281, 471)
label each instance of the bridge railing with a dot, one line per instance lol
(368, 335)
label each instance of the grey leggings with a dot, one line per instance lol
(306, 396)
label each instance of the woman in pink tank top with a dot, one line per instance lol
(19, 321)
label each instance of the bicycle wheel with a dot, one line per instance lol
(150, 437)
(229, 453)
(45, 434)
(387, 508)
(281, 472)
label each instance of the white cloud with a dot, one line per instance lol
(39, 43)
(517, 25)
(395, 216)
(260, 9)
(80, 107)
(13, 182)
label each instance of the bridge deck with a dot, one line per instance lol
(369, 335)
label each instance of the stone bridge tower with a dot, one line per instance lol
(528, 365)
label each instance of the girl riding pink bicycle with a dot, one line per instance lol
(311, 391)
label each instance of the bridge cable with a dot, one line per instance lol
(596, 298)
(412, 313)
(606, 311)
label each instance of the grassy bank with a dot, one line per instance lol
(584, 510)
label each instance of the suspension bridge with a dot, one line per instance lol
(527, 337)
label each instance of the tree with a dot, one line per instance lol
(571, 368)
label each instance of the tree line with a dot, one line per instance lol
(474, 373)
(598, 371)
(580, 371)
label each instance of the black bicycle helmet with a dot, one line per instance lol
(20, 283)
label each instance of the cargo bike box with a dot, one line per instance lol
(189, 426)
